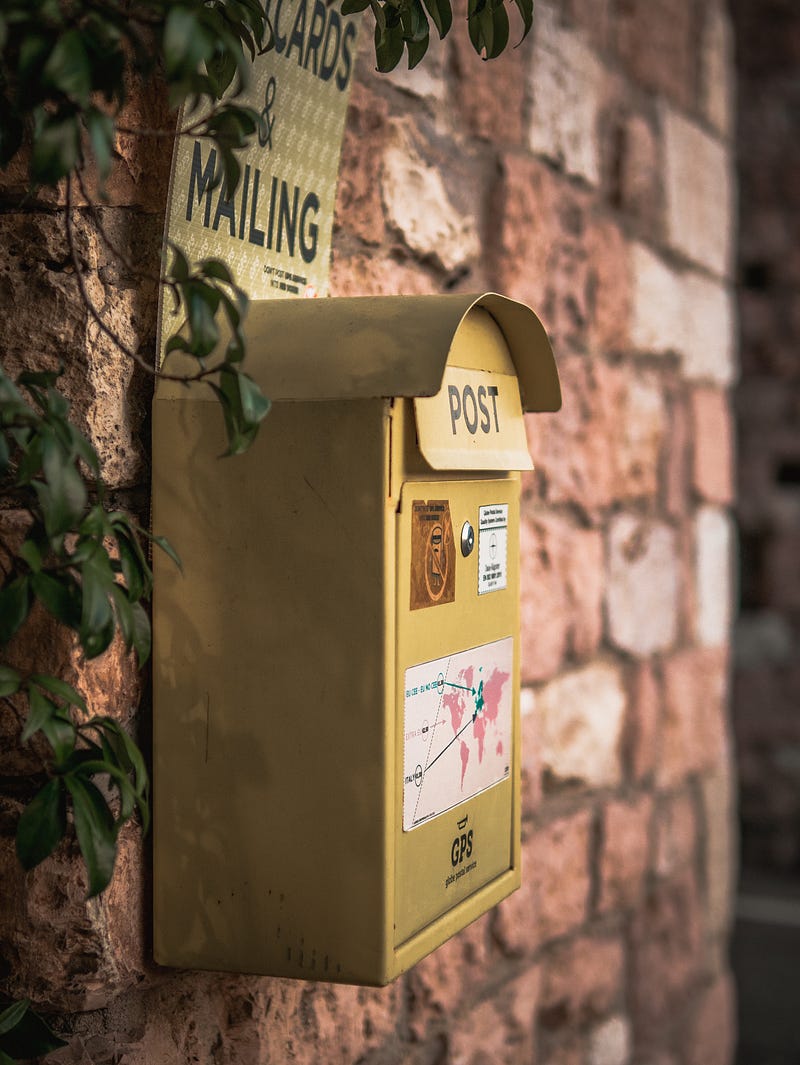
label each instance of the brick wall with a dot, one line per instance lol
(589, 173)
(767, 677)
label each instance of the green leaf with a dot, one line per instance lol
(67, 68)
(41, 710)
(201, 306)
(95, 829)
(60, 689)
(526, 10)
(167, 548)
(101, 137)
(180, 265)
(29, 1038)
(5, 454)
(442, 14)
(14, 606)
(217, 269)
(11, 1017)
(389, 48)
(97, 620)
(9, 681)
(500, 31)
(56, 149)
(64, 500)
(31, 554)
(61, 595)
(243, 406)
(352, 7)
(42, 825)
(141, 637)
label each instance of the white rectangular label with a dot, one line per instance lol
(493, 548)
(458, 729)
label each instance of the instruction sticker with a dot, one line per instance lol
(458, 721)
(433, 554)
(492, 548)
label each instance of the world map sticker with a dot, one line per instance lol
(458, 729)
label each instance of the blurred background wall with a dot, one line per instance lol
(589, 172)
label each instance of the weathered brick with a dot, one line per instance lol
(515, 923)
(443, 981)
(640, 742)
(582, 716)
(605, 443)
(531, 752)
(721, 844)
(583, 981)
(501, 1029)
(712, 445)
(693, 722)
(550, 250)
(714, 576)
(706, 330)
(625, 855)
(567, 83)
(666, 953)
(677, 454)
(656, 302)
(656, 42)
(642, 594)
(635, 176)
(37, 280)
(358, 196)
(561, 589)
(561, 874)
(610, 1042)
(699, 194)
(371, 275)
(434, 228)
(491, 96)
(711, 1036)
(717, 70)
(676, 834)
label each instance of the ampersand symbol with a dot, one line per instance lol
(267, 119)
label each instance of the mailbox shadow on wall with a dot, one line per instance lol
(336, 672)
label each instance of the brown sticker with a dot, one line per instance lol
(433, 554)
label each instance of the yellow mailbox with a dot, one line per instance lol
(336, 672)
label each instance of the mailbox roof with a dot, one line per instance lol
(367, 346)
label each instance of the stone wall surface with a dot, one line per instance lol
(589, 173)
(767, 674)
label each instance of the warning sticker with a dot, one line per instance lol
(433, 554)
(457, 736)
(492, 548)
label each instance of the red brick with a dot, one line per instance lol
(605, 443)
(610, 281)
(712, 444)
(657, 41)
(693, 733)
(626, 852)
(500, 1030)
(441, 983)
(637, 181)
(641, 739)
(552, 252)
(667, 942)
(711, 1037)
(370, 275)
(531, 754)
(489, 97)
(358, 199)
(583, 981)
(515, 925)
(676, 834)
(561, 593)
(569, 1049)
(676, 475)
(561, 874)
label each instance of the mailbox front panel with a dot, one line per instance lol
(457, 748)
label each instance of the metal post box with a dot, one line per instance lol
(336, 671)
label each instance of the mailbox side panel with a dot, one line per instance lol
(269, 693)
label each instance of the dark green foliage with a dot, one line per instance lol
(87, 567)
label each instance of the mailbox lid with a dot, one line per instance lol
(365, 347)
(475, 422)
